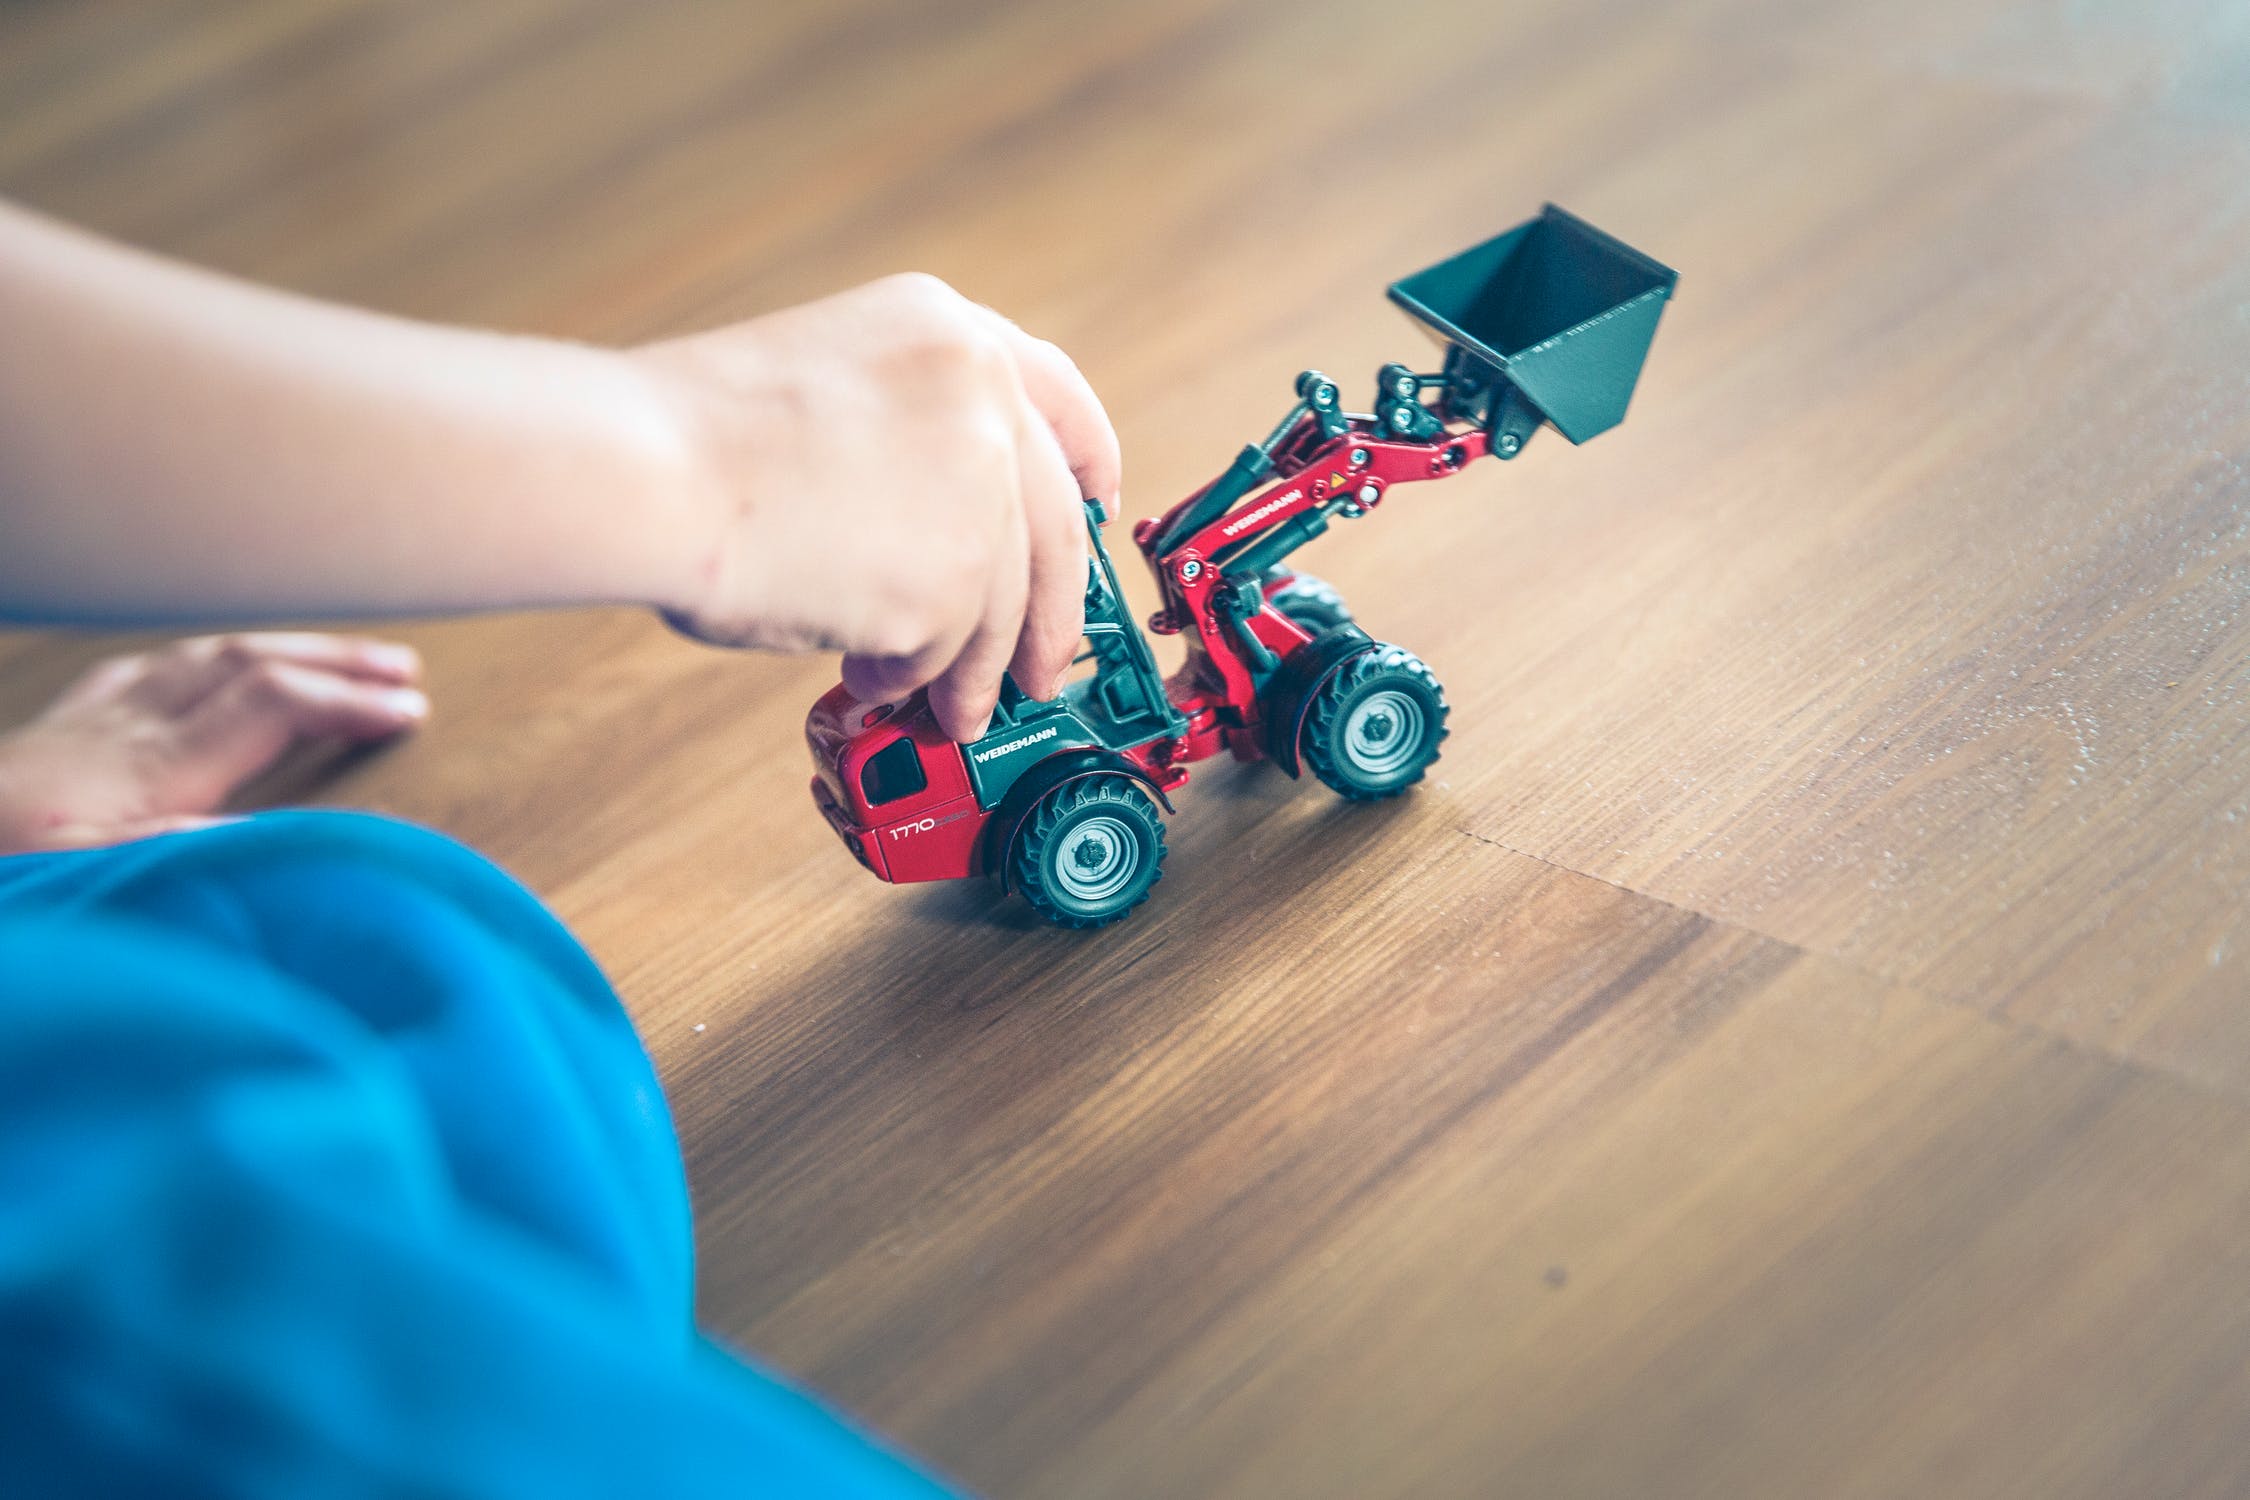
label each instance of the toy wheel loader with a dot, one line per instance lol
(1064, 801)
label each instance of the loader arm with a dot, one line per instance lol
(1213, 551)
(1281, 494)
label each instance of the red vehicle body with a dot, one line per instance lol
(1060, 798)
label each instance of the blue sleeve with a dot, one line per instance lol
(330, 1166)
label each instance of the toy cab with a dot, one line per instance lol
(912, 805)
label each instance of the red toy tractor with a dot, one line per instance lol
(1549, 323)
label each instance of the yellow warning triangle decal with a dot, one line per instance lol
(1335, 481)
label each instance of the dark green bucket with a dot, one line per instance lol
(1555, 308)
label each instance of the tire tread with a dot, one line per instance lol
(1328, 704)
(1027, 871)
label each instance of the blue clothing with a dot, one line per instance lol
(330, 1165)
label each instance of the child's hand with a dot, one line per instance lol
(896, 473)
(148, 744)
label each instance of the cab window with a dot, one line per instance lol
(892, 772)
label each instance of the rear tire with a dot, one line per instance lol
(1375, 725)
(1311, 604)
(1090, 852)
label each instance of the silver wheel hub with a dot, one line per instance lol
(1096, 859)
(1383, 732)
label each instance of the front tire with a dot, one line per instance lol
(1375, 725)
(1090, 851)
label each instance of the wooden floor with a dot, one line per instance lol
(1798, 1044)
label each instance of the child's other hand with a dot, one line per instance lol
(896, 474)
(147, 744)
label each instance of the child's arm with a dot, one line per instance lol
(892, 472)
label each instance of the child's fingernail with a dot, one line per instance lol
(408, 703)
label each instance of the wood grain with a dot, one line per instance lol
(1798, 1043)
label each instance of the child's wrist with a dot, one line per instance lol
(645, 499)
(691, 445)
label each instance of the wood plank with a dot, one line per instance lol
(1940, 665)
(1516, 1182)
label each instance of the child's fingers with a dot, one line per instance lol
(243, 727)
(148, 828)
(306, 701)
(102, 682)
(1054, 615)
(185, 672)
(963, 695)
(1067, 402)
(887, 679)
(878, 677)
(101, 835)
(875, 678)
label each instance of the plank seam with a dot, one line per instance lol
(2031, 1030)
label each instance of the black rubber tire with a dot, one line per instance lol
(1090, 821)
(1311, 604)
(1375, 725)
